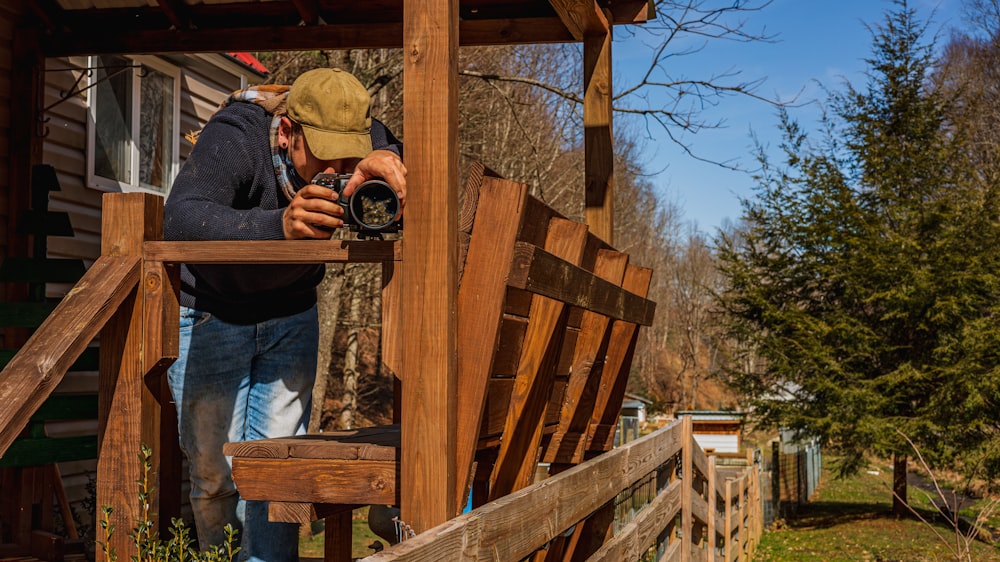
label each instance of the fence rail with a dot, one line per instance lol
(668, 499)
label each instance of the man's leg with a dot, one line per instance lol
(209, 382)
(278, 405)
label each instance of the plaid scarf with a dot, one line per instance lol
(272, 98)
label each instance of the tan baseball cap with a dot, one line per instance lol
(334, 109)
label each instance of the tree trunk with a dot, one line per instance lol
(899, 503)
(329, 308)
(349, 399)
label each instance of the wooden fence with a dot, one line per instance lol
(669, 501)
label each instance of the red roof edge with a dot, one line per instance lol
(250, 60)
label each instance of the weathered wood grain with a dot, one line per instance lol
(272, 251)
(499, 208)
(430, 287)
(515, 465)
(539, 272)
(513, 526)
(40, 365)
(332, 481)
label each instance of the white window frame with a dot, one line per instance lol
(110, 185)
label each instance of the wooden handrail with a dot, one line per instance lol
(272, 251)
(514, 526)
(41, 363)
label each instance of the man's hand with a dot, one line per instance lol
(384, 164)
(312, 214)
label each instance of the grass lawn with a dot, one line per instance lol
(850, 519)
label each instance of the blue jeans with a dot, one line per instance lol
(235, 383)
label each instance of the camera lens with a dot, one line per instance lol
(374, 204)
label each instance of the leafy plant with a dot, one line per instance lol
(149, 546)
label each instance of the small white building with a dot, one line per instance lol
(718, 432)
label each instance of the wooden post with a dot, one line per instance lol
(430, 252)
(687, 487)
(128, 410)
(598, 141)
(729, 521)
(742, 517)
(712, 479)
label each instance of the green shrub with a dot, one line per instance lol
(152, 548)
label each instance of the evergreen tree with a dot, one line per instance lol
(865, 277)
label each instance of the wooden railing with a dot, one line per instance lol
(128, 299)
(697, 512)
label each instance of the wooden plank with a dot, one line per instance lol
(392, 323)
(513, 526)
(37, 369)
(585, 375)
(370, 443)
(508, 349)
(332, 481)
(273, 251)
(129, 414)
(515, 466)
(618, 364)
(712, 515)
(162, 316)
(542, 273)
(638, 535)
(430, 119)
(597, 135)
(500, 207)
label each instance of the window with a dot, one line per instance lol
(132, 138)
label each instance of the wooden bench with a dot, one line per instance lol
(548, 316)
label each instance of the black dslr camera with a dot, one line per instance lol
(372, 209)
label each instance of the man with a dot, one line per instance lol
(249, 334)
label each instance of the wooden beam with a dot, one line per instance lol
(598, 140)
(542, 273)
(293, 37)
(430, 251)
(309, 11)
(273, 251)
(500, 208)
(176, 13)
(581, 17)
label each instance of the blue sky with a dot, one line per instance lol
(816, 41)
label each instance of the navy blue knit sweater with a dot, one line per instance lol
(227, 190)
